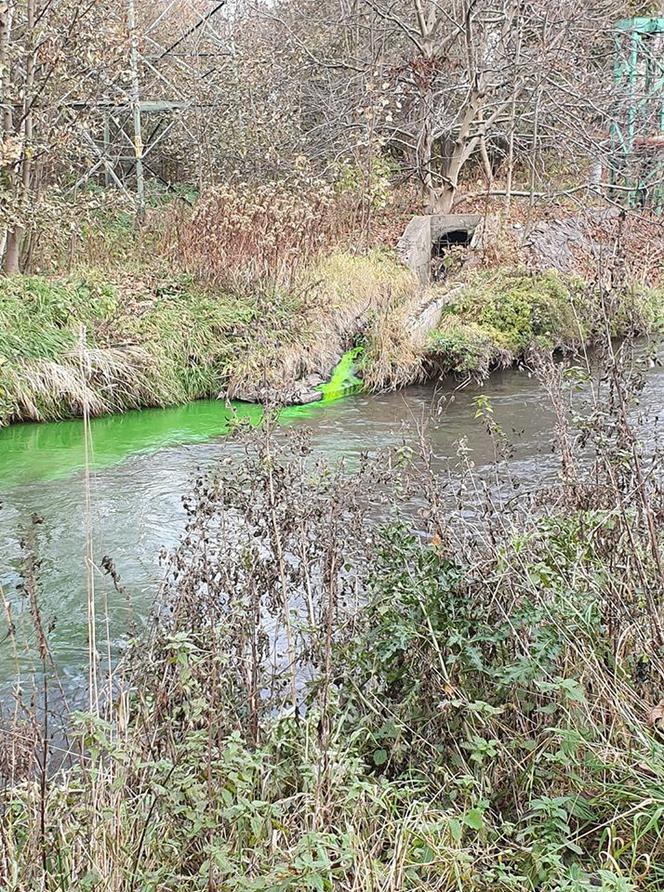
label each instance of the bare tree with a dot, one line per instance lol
(270, 89)
(53, 57)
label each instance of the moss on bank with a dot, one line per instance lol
(501, 316)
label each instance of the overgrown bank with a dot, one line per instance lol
(456, 702)
(85, 341)
(501, 316)
(159, 339)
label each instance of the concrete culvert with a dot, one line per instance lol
(429, 238)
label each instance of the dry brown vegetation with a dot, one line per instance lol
(452, 700)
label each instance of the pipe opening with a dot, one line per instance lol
(443, 254)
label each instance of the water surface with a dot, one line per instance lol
(144, 462)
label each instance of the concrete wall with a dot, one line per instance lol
(416, 244)
(414, 247)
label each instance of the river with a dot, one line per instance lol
(143, 462)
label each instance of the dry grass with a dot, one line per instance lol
(343, 300)
(394, 355)
(257, 232)
(98, 380)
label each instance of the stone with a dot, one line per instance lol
(305, 396)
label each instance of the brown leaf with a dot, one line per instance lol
(656, 716)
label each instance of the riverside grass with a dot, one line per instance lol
(161, 338)
(478, 701)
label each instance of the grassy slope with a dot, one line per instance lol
(81, 341)
(501, 315)
(161, 339)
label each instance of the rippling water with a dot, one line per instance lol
(144, 462)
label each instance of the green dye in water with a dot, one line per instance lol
(344, 381)
(31, 453)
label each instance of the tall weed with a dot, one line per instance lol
(337, 691)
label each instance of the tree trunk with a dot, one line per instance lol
(426, 23)
(425, 160)
(6, 117)
(12, 252)
(464, 146)
(12, 263)
(136, 113)
(444, 201)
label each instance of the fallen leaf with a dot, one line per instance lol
(656, 716)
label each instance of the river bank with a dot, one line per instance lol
(93, 342)
(156, 338)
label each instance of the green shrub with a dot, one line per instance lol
(523, 311)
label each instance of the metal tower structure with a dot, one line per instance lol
(637, 133)
(170, 65)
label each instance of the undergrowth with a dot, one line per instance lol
(499, 317)
(337, 693)
(96, 227)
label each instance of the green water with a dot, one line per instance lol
(344, 381)
(43, 452)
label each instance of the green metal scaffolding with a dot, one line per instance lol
(637, 131)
